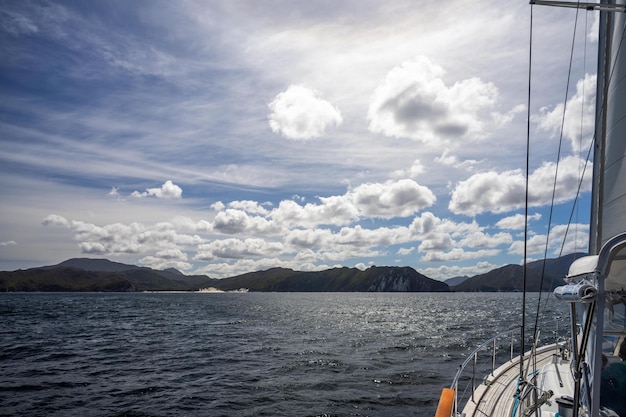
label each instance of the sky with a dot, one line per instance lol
(223, 137)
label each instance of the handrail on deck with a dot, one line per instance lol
(474, 353)
(473, 357)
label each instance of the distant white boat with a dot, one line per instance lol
(209, 290)
(216, 290)
(565, 378)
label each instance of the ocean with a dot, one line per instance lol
(241, 354)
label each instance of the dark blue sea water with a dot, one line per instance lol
(251, 354)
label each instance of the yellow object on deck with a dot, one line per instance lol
(446, 402)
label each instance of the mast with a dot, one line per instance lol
(595, 226)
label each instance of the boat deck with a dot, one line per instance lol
(496, 395)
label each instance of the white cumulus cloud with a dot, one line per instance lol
(237, 249)
(299, 113)
(414, 102)
(416, 169)
(515, 222)
(563, 239)
(505, 191)
(167, 258)
(458, 254)
(55, 220)
(452, 161)
(168, 190)
(391, 199)
(581, 105)
(505, 118)
(446, 271)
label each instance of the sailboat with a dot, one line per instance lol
(568, 378)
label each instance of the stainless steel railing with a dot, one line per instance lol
(492, 346)
(504, 341)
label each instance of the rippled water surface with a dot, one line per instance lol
(254, 354)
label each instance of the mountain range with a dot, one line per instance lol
(84, 274)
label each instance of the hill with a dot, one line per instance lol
(83, 274)
(374, 279)
(456, 280)
(557, 267)
(510, 277)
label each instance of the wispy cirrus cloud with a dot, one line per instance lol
(16, 24)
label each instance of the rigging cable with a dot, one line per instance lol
(556, 173)
(522, 378)
(524, 273)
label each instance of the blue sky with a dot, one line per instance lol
(222, 137)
